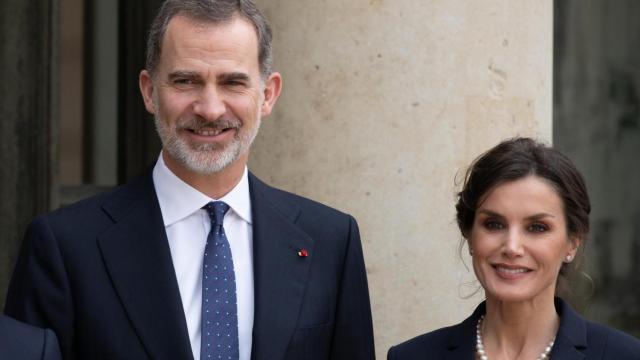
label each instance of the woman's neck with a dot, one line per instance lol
(519, 330)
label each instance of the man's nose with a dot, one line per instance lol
(210, 105)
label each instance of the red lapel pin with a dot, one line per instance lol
(303, 253)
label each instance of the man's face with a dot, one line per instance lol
(207, 94)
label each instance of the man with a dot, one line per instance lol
(199, 259)
(25, 342)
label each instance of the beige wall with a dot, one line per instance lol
(384, 102)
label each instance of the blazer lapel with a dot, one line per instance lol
(572, 334)
(462, 339)
(138, 259)
(563, 348)
(280, 275)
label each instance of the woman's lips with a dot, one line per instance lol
(510, 272)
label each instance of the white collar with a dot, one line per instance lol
(178, 199)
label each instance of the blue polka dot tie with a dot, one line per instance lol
(219, 331)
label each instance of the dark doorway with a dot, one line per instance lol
(597, 123)
(73, 122)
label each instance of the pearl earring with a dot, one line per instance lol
(568, 258)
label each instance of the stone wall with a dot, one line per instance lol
(384, 104)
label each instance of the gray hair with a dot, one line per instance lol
(210, 11)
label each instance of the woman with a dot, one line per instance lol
(524, 213)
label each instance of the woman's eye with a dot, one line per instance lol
(493, 225)
(538, 228)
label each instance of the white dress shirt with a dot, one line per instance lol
(187, 226)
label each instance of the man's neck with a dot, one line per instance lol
(214, 185)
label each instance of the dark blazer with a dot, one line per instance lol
(25, 342)
(576, 339)
(99, 273)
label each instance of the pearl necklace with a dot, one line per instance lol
(482, 354)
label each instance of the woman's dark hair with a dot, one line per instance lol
(517, 158)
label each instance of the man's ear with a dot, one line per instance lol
(146, 89)
(271, 92)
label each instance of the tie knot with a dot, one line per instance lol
(216, 210)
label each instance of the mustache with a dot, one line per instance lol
(198, 123)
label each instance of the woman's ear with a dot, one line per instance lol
(574, 245)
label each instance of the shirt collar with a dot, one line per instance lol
(178, 199)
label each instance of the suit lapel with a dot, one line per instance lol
(572, 334)
(138, 260)
(280, 275)
(565, 349)
(461, 343)
(464, 349)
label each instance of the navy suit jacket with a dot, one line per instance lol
(576, 339)
(99, 273)
(25, 342)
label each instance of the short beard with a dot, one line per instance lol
(204, 159)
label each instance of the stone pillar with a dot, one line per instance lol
(384, 104)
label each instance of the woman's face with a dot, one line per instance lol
(519, 240)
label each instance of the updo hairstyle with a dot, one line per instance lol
(518, 158)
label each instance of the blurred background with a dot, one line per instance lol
(596, 121)
(384, 103)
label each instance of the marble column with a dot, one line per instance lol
(384, 104)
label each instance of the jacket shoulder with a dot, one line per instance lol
(291, 200)
(613, 343)
(20, 340)
(108, 203)
(433, 343)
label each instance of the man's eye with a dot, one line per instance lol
(183, 81)
(234, 83)
(493, 225)
(538, 228)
